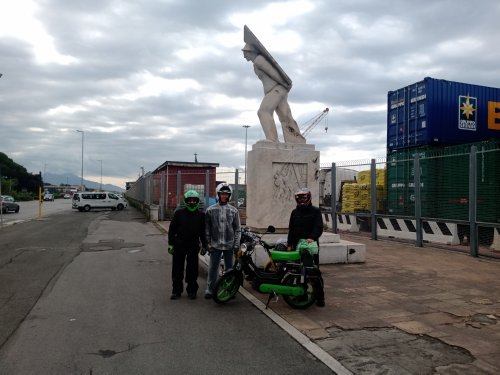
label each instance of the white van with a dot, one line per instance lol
(103, 199)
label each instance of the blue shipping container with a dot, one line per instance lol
(439, 112)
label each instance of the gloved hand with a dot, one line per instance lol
(170, 249)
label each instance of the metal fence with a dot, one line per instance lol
(164, 191)
(427, 194)
(445, 195)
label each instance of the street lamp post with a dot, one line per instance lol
(100, 185)
(246, 133)
(81, 180)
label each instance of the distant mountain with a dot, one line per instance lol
(71, 179)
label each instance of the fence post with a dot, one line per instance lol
(149, 187)
(373, 198)
(207, 188)
(178, 188)
(418, 203)
(162, 196)
(333, 195)
(236, 194)
(473, 201)
(166, 191)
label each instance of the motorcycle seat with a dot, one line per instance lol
(285, 256)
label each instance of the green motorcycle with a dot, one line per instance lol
(293, 280)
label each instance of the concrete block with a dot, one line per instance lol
(356, 252)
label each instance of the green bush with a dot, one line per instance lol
(23, 196)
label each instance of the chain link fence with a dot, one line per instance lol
(434, 194)
(441, 195)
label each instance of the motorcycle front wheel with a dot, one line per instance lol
(227, 286)
(304, 301)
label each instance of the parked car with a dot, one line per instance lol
(8, 204)
(67, 196)
(48, 197)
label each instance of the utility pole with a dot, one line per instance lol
(246, 134)
(100, 185)
(81, 179)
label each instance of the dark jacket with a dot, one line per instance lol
(187, 229)
(305, 222)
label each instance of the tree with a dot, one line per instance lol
(18, 176)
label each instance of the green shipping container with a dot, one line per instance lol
(445, 181)
(400, 181)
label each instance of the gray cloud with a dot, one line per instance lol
(161, 80)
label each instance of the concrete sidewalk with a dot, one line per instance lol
(407, 310)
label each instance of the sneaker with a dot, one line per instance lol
(208, 296)
(320, 303)
(192, 295)
(175, 296)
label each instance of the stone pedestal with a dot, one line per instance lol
(274, 172)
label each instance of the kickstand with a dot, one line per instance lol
(272, 295)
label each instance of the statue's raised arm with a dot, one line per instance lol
(276, 84)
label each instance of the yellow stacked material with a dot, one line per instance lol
(357, 197)
(380, 179)
(364, 196)
(351, 198)
(364, 177)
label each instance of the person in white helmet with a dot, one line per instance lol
(275, 99)
(223, 233)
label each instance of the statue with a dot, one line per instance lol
(276, 86)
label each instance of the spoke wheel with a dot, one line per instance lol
(227, 286)
(305, 300)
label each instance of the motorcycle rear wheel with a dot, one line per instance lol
(304, 301)
(227, 286)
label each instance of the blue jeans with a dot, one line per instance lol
(213, 267)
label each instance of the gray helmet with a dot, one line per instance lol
(303, 196)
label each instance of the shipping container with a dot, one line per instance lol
(401, 181)
(439, 112)
(444, 181)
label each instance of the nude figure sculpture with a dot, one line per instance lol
(276, 86)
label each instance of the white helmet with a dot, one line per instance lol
(223, 188)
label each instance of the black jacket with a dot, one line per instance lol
(187, 229)
(305, 222)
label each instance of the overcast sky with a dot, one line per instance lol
(156, 80)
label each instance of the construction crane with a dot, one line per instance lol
(309, 125)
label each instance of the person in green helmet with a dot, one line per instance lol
(186, 236)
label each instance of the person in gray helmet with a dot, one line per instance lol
(306, 224)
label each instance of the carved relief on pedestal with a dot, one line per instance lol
(287, 178)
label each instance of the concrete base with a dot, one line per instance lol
(275, 172)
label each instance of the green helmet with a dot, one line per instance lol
(191, 200)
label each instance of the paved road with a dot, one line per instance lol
(31, 210)
(104, 281)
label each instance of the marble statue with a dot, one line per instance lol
(276, 86)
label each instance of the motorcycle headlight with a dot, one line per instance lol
(243, 247)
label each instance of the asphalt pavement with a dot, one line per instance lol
(406, 310)
(107, 309)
